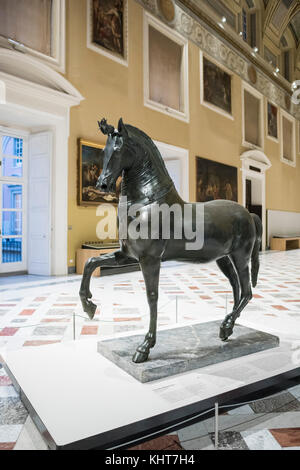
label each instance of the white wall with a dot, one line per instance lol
(283, 223)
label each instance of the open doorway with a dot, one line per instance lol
(254, 195)
(254, 165)
(177, 163)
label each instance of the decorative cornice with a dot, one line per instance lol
(30, 69)
(213, 41)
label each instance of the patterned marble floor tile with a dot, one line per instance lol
(7, 392)
(27, 312)
(5, 380)
(295, 391)
(40, 343)
(7, 445)
(10, 433)
(169, 442)
(260, 440)
(228, 423)
(287, 437)
(230, 440)
(89, 330)
(192, 432)
(30, 438)
(12, 411)
(49, 331)
(8, 331)
(60, 311)
(199, 443)
(281, 402)
(242, 410)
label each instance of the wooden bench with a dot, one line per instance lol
(283, 244)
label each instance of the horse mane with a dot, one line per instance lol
(134, 132)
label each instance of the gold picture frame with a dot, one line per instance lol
(90, 165)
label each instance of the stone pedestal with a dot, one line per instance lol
(183, 349)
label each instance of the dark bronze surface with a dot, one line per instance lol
(232, 235)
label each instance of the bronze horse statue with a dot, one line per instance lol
(232, 236)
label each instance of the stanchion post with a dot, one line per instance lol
(216, 425)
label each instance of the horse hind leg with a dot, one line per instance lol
(229, 271)
(242, 269)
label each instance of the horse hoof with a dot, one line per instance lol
(140, 357)
(89, 308)
(225, 333)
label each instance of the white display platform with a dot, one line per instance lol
(80, 400)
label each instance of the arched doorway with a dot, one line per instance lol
(254, 166)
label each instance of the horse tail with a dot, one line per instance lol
(256, 248)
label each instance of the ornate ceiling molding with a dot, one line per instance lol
(209, 39)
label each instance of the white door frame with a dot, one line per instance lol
(256, 158)
(20, 266)
(44, 100)
(170, 152)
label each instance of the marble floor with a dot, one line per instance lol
(38, 311)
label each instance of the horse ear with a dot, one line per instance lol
(105, 128)
(122, 129)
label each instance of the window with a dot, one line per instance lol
(36, 27)
(244, 25)
(286, 65)
(12, 201)
(288, 145)
(253, 42)
(248, 23)
(165, 69)
(252, 118)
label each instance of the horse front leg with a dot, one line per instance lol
(93, 263)
(150, 267)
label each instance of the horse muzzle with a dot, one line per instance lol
(106, 186)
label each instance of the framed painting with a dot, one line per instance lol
(272, 120)
(107, 28)
(90, 165)
(215, 181)
(216, 87)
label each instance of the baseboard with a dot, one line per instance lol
(18, 273)
(71, 270)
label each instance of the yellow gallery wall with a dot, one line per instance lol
(112, 90)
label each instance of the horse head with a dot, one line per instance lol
(115, 159)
